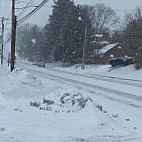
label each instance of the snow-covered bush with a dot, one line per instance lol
(137, 66)
(48, 102)
(83, 102)
(35, 104)
(138, 58)
(63, 102)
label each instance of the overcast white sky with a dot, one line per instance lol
(41, 17)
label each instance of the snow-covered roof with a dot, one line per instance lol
(104, 42)
(108, 47)
(99, 35)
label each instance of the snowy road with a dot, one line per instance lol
(117, 88)
(132, 82)
(117, 95)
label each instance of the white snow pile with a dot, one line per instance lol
(62, 115)
(63, 101)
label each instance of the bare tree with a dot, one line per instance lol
(29, 42)
(132, 35)
(102, 17)
(131, 16)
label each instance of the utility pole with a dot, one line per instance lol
(15, 24)
(84, 46)
(2, 40)
(13, 36)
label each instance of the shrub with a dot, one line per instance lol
(138, 58)
(137, 66)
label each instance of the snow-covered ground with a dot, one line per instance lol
(55, 105)
(127, 72)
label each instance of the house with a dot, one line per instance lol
(112, 50)
(103, 51)
(95, 47)
(102, 37)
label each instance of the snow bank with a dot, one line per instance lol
(126, 72)
(62, 100)
(70, 115)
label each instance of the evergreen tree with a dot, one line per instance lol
(65, 31)
(132, 35)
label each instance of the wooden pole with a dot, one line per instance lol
(84, 46)
(2, 40)
(13, 36)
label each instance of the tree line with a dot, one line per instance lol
(62, 39)
(131, 35)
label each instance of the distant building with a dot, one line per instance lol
(112, 50)
(95, 47)
(102, 51)
(102, 37)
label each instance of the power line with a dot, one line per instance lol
(8, 38)
(35, 5)
(32, 12)
(25, 7)
(6, 8)
(20, 1)
(125, 10)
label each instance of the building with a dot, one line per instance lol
(112, 50)
(102, 51)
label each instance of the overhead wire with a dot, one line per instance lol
(28, 5)
(23, 19)
(38, 7)
(6, 8)
(6, 21)
(27, 16)
(25, 7)
(5, 15)
(0, 5)
(20, 1)
(125, 10)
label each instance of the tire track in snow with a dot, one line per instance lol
(79, 83)
(131, 82)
